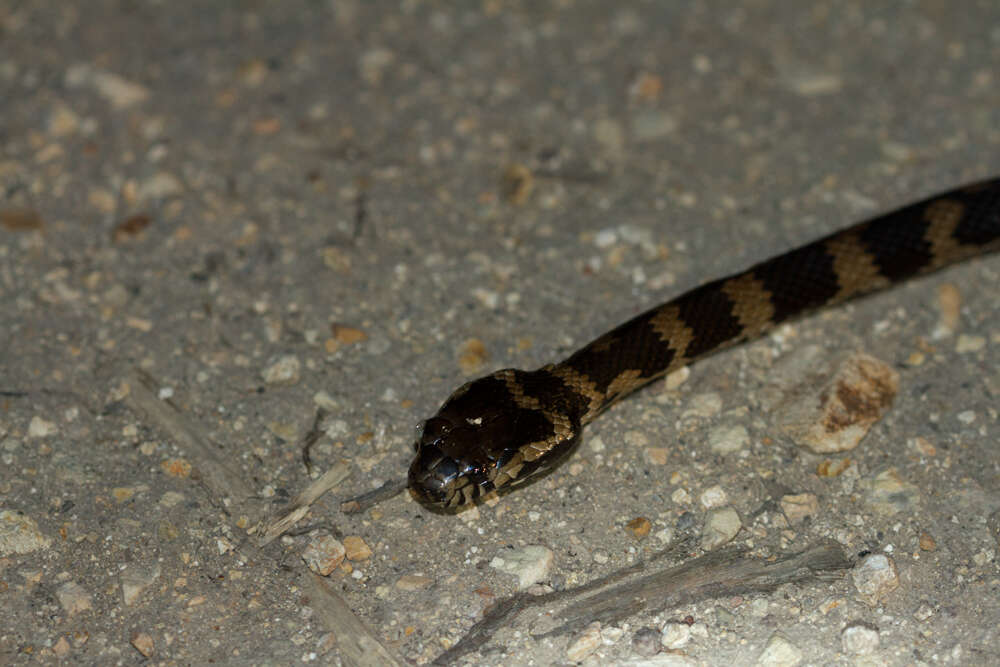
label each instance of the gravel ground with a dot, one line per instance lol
(272, 209)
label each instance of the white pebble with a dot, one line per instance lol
(874, 577)
(859, 639)
(39, 428)
(675, 634)
(722, 526)
(728, 439)
(713, 496)
(605, 238)
(285, 370)
(780, 652)
(530, 564)
(966, 343)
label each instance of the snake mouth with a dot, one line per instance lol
(441, 483)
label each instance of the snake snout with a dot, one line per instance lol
(432, 476)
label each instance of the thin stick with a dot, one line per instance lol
(311, 437)
(360, 503)
(718, 574)
(357, 644)
(188, 435)
(299, 507)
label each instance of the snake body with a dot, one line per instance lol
(505, 428)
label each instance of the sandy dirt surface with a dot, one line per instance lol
(229, 229)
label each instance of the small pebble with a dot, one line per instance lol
(645, 87)
(646, 642)
(636, 438)
(529, 564)
(703, 405)
(19, 534)
(41, 428)
(605, 238)
(675, 634)
(73, 598)
(657, 455)
(585, 644)
(728, 439)
(779, 652)
(810, 83)
(950, 306)
(472, 356)
(676, 378)
(966, 344)
(612, 635)
(840, 411)
(798, 507)
(61, 648)
(62, 121)
(285, 370)
(828, 468)
(116, 90)
(180, 468)
(159, 186)
(713, 497)
(346, 335)
(639, 527)
(324, 554)
(875, 577)
(722, 526)
(324, 400)
(355, 548)
(136, 578)
(665, 536)
(859, 639)
(143, 643)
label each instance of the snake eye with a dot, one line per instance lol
(434, 429)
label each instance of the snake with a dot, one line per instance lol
(498, 432)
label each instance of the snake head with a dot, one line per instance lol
(487, 435)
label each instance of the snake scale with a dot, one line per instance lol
(508, 427)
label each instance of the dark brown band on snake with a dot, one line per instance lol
(503, 429)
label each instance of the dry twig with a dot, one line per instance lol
(357, 644)
(299, 506)
(717, 574)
